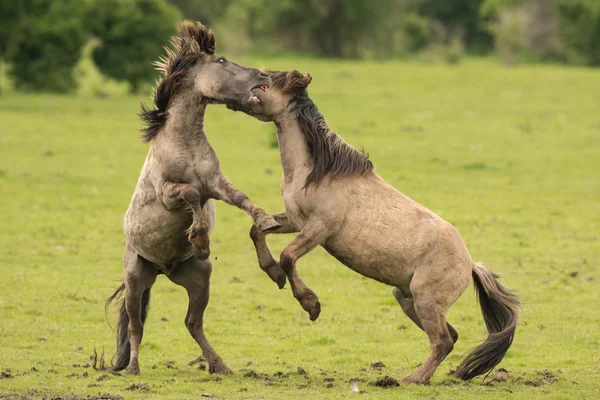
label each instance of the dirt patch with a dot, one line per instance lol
(6, 374)
(139, 386)
(545, 377)
(198, 360)
(541, 378)
(501, 375)
(378, 366)
(304, 385)
(259, 375)
(385, 382)
(78, 376)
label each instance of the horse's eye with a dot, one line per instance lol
(221, 60)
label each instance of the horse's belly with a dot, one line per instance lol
(159, 235)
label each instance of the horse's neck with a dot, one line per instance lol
(293, 149)
(185, 124)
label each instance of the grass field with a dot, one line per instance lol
(511, 157)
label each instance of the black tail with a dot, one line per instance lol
(121, 357)
(500, 309)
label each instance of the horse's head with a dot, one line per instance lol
(288, 87)
(192, 64)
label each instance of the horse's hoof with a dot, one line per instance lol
(268, 224)
(277, 275)
(132, 370)
(414, 380)
(220, 368)
(310, 303)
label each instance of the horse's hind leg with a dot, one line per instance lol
(267, 262)
(139, 275)
(432, 297)
(194, 276)
(405, 299)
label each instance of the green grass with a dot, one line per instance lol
(511, 157)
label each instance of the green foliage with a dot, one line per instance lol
(132, 34)
(416, 31)
(10, 13)
(580, 30)
(209, 12)
(45, 44)
(458, 18)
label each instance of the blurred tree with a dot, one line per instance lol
(44, 42)
(458, 18)
(208, 11)
(331, 27)
(10, 12)
(580, 30)
(132, 35)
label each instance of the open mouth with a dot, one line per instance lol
(261, 87)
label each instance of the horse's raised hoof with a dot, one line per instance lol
(219, 367)
(310, 303)
(277, 275)
(267, 224)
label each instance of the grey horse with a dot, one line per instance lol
(172, 214)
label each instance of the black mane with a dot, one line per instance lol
(193, 40)
(330, 154)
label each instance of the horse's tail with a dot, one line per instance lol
(500, 309)
(121, 357)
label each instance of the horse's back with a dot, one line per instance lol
(386, 235)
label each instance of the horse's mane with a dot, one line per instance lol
(193, 40)
(329, 153)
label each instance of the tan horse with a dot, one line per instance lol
(171, 214)
(334, 198)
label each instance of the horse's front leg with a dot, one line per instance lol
(314, 234)
(224, 190)
(267, 262)
(176, 196)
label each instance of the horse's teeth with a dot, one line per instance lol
(256, 99)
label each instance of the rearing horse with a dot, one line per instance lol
(172, 214)
(334, 198)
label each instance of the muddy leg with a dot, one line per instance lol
(194, 276)
(139, 275)
(267, 262)
(313, 234)
(226, 192)
(406, 301)
(432, 298)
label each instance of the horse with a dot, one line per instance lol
(172, 213)
(334, 198)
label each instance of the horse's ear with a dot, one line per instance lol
(298, 79)
(307, 79)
